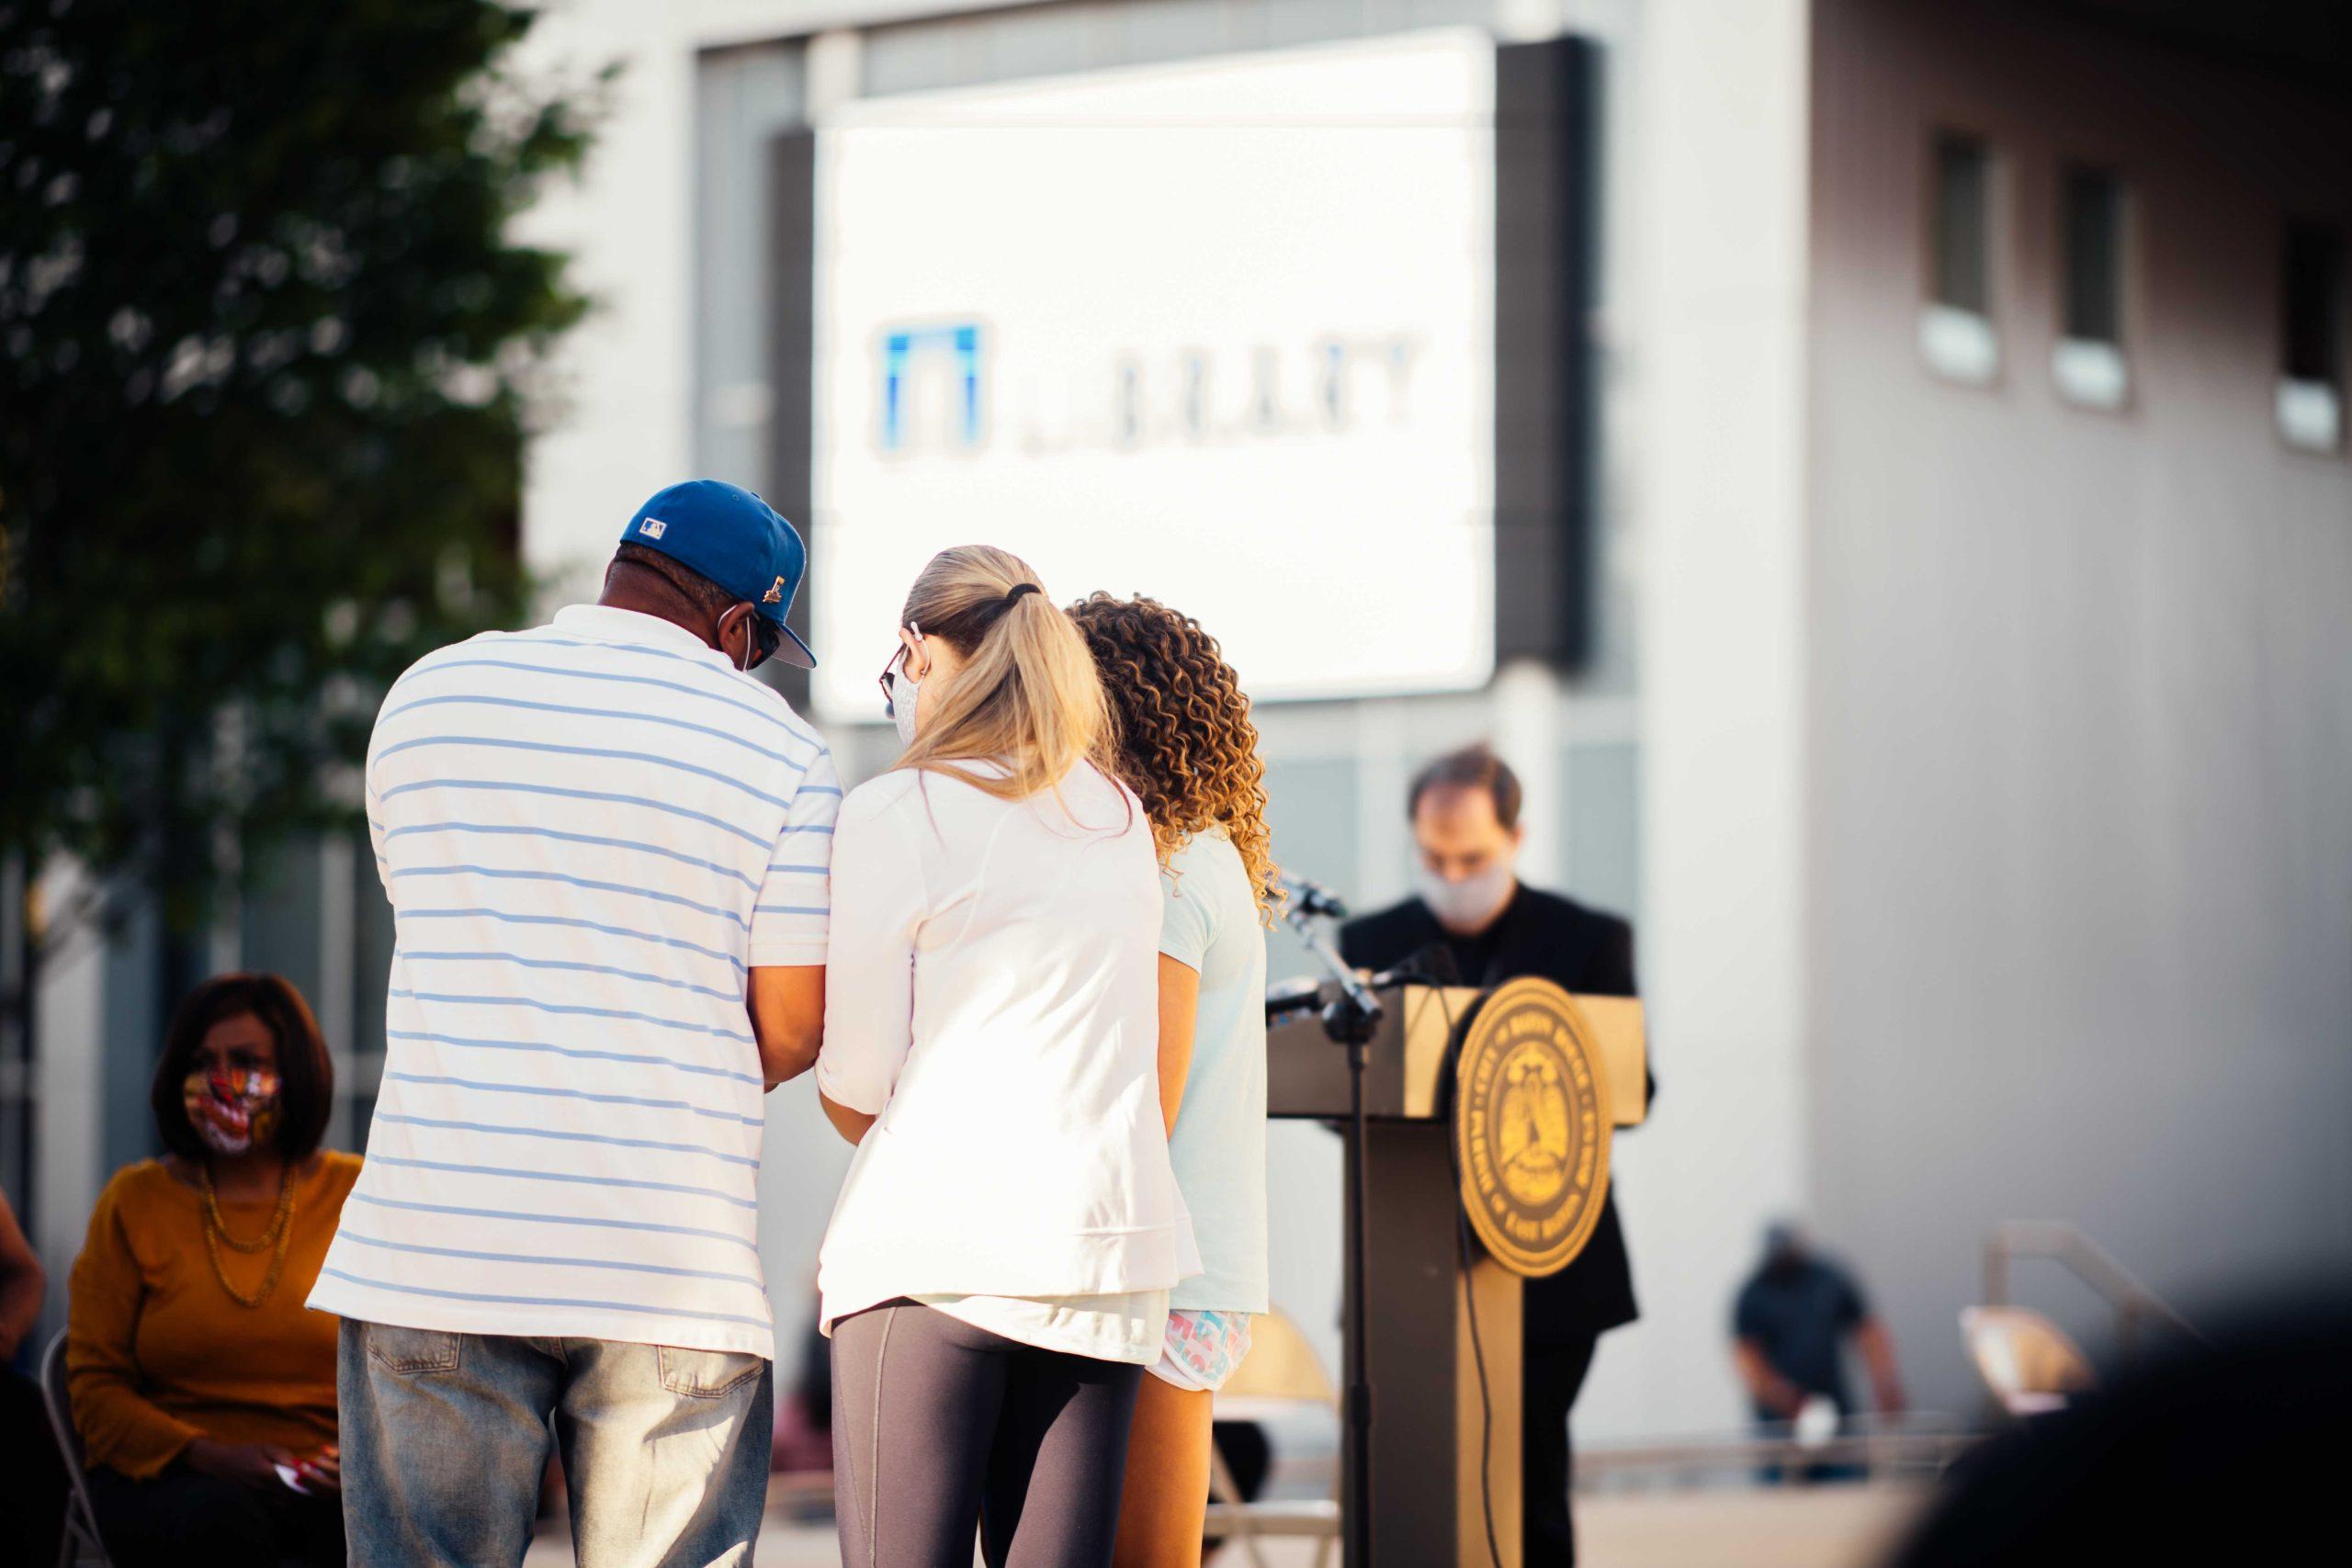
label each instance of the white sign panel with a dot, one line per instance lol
(1220, 332)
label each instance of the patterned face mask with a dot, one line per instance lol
(232, 1110)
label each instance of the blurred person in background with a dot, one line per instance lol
(32, 1477)
(1490, 927)
(1791, 1326)
(605, 846)
(203, 1389)
(997, 1270)
(1188, 749)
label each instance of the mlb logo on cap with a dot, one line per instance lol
(737, 540)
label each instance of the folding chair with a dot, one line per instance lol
(80, 1547)
(2025, 1359)
(1281, 1373)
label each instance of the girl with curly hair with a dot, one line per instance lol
(1187, 748)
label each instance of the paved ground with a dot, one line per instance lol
(1831, 1527)
(1812, 1527)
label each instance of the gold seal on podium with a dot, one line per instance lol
(1531, 1119)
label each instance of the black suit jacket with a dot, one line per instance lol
(1582, 950)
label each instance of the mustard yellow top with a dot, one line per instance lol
(157, 1354)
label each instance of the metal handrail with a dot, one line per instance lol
(2065, 1244)
(1918, 1443)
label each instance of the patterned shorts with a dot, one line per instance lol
(1202, 1349)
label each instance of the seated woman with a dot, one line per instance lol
(204, 1390)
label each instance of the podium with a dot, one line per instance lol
(1438, 1313)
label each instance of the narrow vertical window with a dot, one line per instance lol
(1956, 334)
(2310, 383)
(2088, 364)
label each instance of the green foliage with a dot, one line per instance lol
(267, 359)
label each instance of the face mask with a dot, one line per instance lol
(232, 1111)
(1469, 903)
(903, 693)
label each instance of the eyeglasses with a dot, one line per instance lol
(890, 707)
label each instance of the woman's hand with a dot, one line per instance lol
(323, 1470)
(253, 1465)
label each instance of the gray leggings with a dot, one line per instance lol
(939, 1428)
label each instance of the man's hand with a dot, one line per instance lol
(787, 1008)
(250, 1464)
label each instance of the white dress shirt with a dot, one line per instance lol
(992, 997)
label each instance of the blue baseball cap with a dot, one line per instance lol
(737, 541)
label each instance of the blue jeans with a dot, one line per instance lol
(445, 1439)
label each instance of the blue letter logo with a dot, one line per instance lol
(912, 353)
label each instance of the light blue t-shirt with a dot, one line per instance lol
(1209, 922)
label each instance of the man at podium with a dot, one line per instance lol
(1464, 808)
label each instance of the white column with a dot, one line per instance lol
(628, 223)
(1719, 394)
(1528, 735)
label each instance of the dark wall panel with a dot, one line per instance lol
(1547, 136)
(792, 270)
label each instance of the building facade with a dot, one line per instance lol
(1968, 691)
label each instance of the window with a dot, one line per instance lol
(2310, 384)
(1956, 323)
(2088, 364)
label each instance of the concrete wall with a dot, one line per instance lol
(1716, 396)
(2079, 685)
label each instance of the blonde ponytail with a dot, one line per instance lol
(1028, 696)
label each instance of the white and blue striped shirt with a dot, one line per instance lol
(591, 833)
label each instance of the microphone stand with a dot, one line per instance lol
(1349, 1019)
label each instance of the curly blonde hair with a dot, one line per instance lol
(1185, 743)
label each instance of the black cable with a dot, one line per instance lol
(1470, 1295)
(1359, 1369)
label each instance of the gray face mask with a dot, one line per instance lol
(1466, 905)
(903, 693)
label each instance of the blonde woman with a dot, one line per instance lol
(1188, 748)
(996, 1275)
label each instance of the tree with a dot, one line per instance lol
(268, 360)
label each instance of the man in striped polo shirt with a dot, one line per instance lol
(606, 847)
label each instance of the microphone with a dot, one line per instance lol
(1432, 966)
(1349, 1021)
(1309, 898)
(1284, 997)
